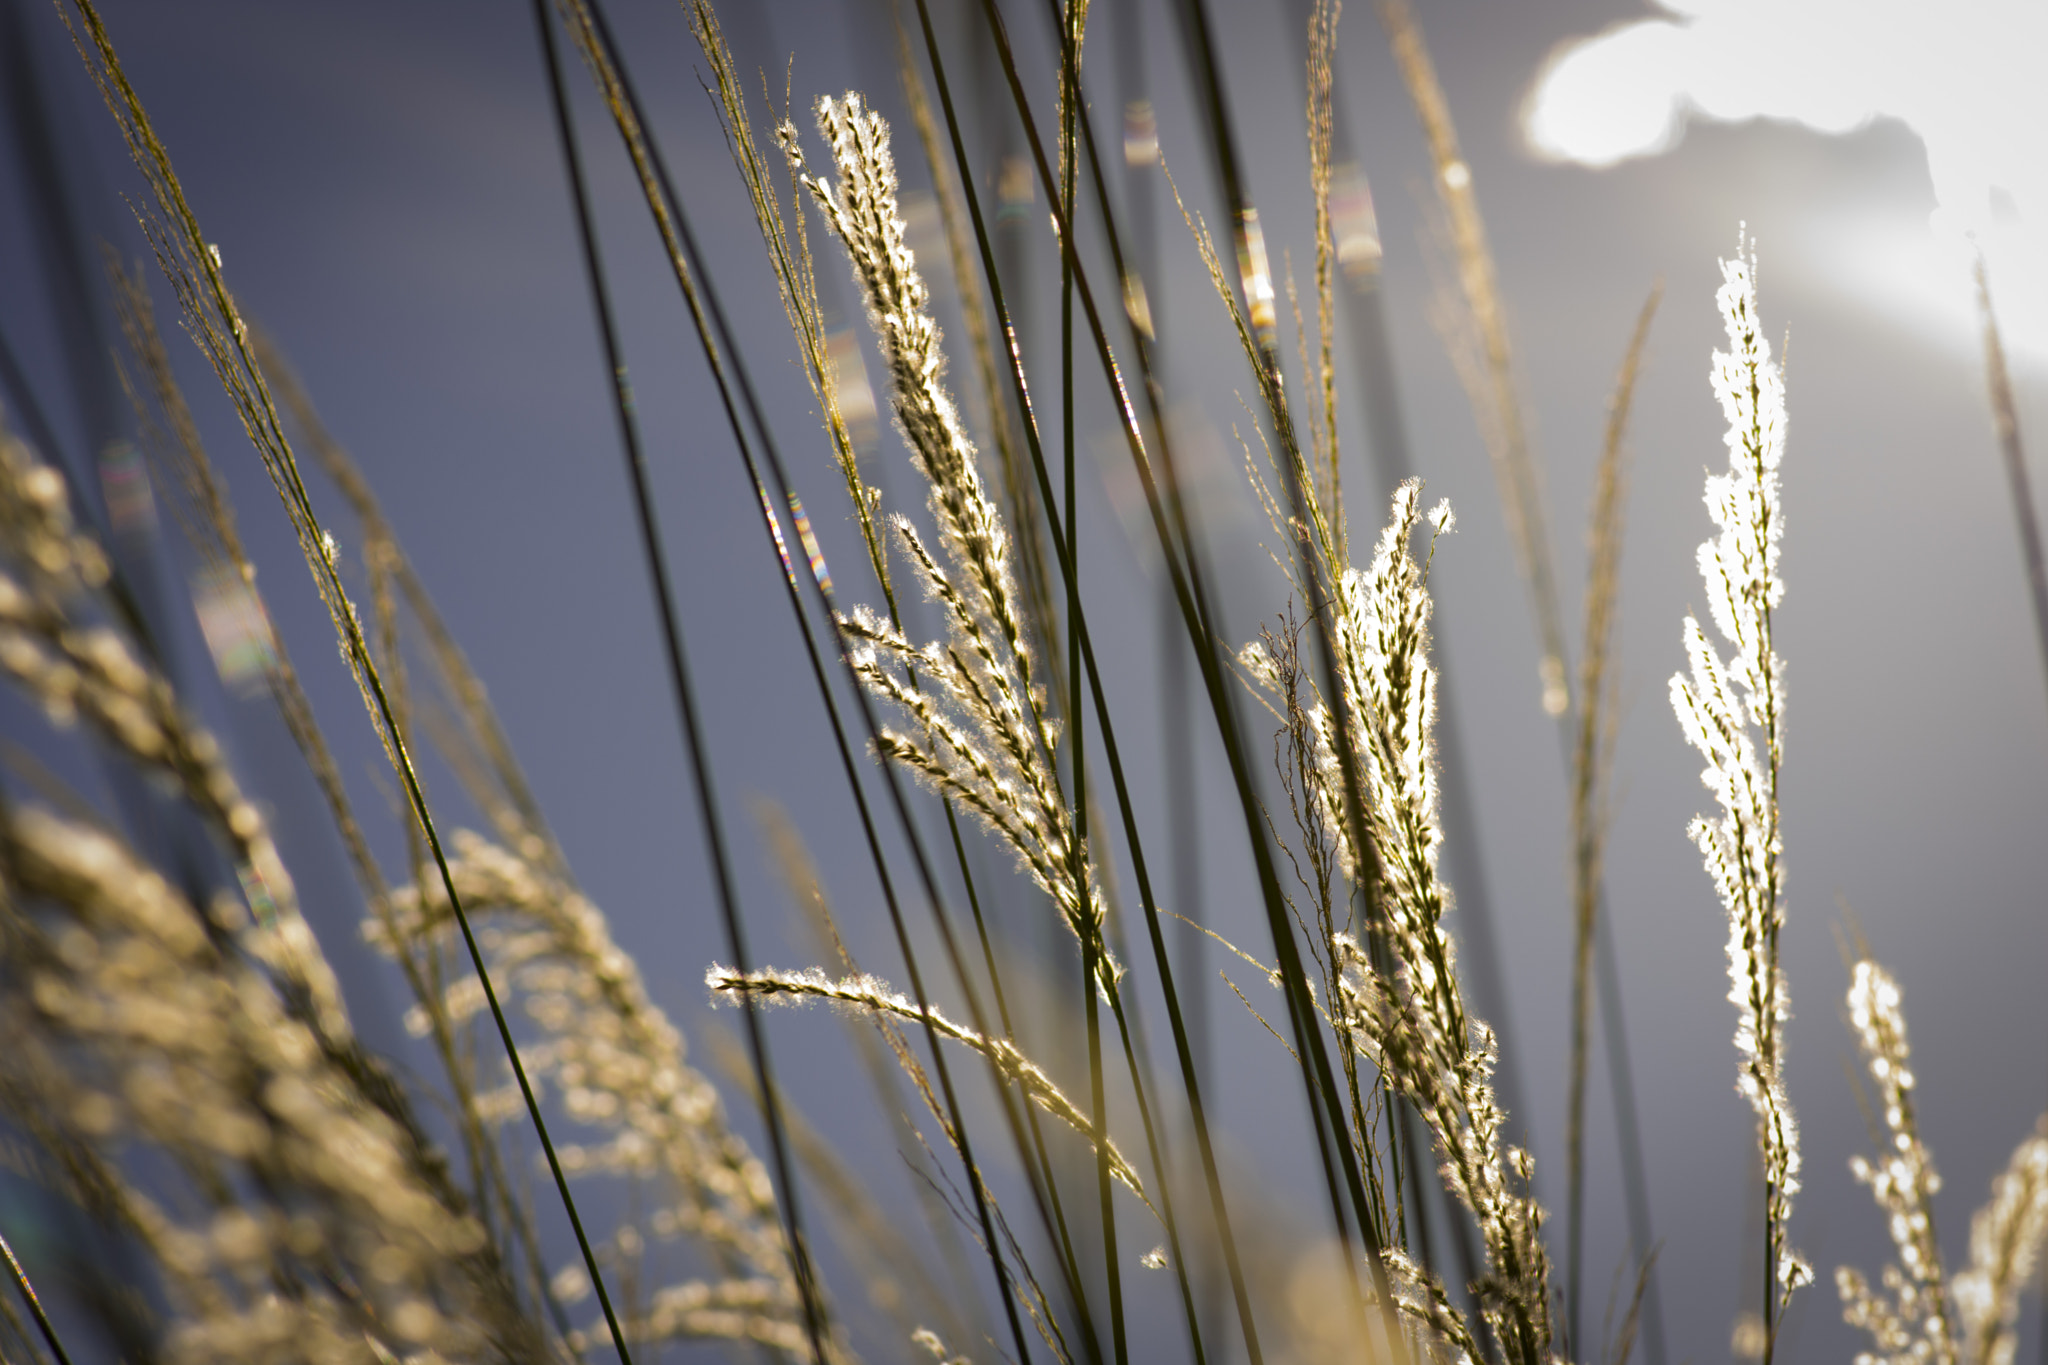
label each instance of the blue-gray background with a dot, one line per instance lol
(383, 182)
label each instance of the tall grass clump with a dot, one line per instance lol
(183, 1070)
(303, 1205)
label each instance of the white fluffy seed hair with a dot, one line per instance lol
(1733, 713)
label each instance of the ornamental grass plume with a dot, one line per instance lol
(1910, 1322)
(1398, 1001)
(302, 1219)
(1919, 1317)
(1415, 1027)
(619, 1067)
(334, 1227)
(303, 1207)
(866, 995)
(984, 734)
(78, 669)
(192, 267)
(2005, 1248)
(178, 1056)
(1733, 713)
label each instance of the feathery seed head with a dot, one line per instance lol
(872, 997)
(1415, 1028)
(1733, 714)
(142, 1023)
(981, 733)
(619, 1066)
(2005, 1246)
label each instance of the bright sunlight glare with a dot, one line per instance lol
(1962, 75)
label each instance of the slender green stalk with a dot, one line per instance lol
(2005, 422)
(35, 1304)
(1590, 760)
(1092, 947)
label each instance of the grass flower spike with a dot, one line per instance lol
(301, 1205)
(1733, 713)
(1921, 1318)
(620, 1067)
(303, 1220)
(866, 995)
(1911, 1322)
(1416, 1029)
(983, 735)
(2005, 1248)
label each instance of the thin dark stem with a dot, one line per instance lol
(1183, 794)
(1092, 947)
(684, 697)
(2005, 420)
(1635, 1181)
(1589, 764)
(1770, 1277)
(35, 1304)
(1038, 1160)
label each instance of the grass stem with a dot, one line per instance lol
(2006, 423)
(1590, 761)
(28, 1294)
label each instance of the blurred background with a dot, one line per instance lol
(385, 187)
